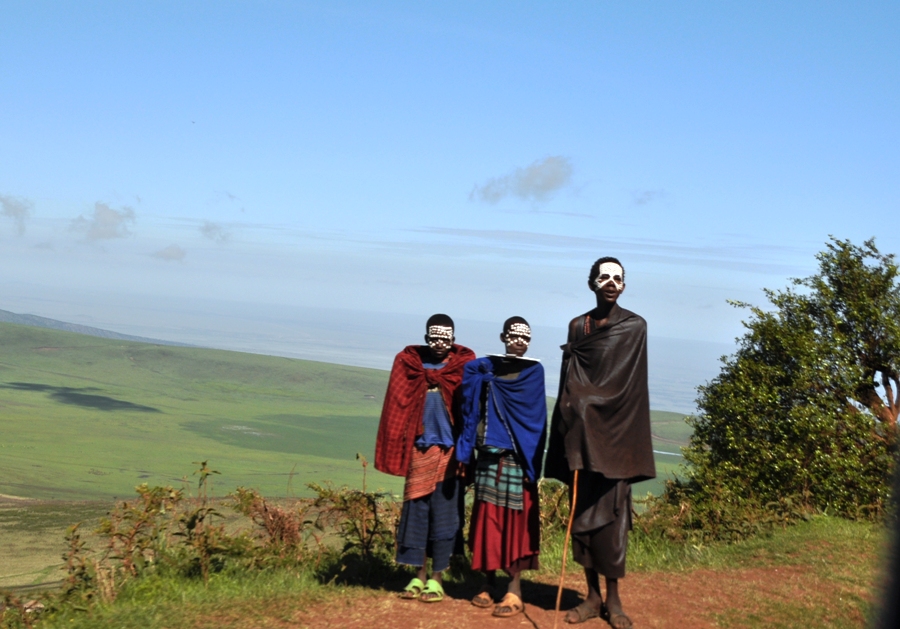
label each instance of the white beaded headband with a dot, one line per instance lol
(440, 332)
(519, 329)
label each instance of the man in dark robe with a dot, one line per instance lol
(416, 439)
(601, 427)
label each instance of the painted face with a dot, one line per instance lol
(610, 273)
(439, 338)
(517, 339)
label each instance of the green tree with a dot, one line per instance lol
(806, 409)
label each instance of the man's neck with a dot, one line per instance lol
(601, 313)
(431, 359)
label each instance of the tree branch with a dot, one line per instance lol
(893, 399)
(868, 397)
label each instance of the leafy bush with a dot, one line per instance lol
(794, 423)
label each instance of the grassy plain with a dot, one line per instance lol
(85, 418)
(89, 418)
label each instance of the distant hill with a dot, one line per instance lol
(53, 324)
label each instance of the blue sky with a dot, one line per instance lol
(467, 157)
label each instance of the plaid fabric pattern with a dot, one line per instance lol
(499, 479)
(426, 469)
(404, 403)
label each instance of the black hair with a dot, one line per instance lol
(511, 320)
(595, 268)
(439, 319)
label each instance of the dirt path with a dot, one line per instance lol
(701, 599)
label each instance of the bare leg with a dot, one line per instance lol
(515, 583)
(613, 602)
(617, 617)
(515, 587)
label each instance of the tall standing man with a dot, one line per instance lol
(601, 427)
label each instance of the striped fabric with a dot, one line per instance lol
(499, 478)
(427, 468)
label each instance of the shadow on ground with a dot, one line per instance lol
(462, 583)
(79, 397)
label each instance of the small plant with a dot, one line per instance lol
(136, 531)
(207, 543)
(554, 497)
(287, 535)
(364, 520)
(16, 613)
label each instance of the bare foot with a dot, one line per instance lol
(583, 612)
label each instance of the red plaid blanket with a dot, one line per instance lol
(401, 415)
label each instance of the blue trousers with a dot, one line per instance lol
(430, 526)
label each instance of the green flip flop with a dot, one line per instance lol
(433, 592)
(413, 590)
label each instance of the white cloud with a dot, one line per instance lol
(215, 232)
(105, 223)
(536, 182)
(17, 209)
(172, 253)
(643, 197)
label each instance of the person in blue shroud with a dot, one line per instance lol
(504, 412)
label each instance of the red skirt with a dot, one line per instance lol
(502, 538)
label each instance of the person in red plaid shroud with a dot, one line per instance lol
(419, 425)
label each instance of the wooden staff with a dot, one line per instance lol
(565, 555)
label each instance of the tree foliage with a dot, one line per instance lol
(806, 410)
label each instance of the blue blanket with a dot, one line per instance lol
(516, 413)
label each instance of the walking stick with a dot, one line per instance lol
(562, 573)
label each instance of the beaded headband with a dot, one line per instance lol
(519, 329)
(440, 332)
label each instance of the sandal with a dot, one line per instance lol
(413, 590)
(618, 620)
(433, 592)
(509, 605)
(483, 599)
(583, 612)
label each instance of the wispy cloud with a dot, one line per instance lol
(172, 253)
(536, 182)
(531, 245)
(17, 209)
(643, 197)
(105, 223)
(215, 232)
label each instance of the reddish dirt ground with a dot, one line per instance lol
(657, 601)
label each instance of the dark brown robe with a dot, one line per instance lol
(601, 422)
(601, 425)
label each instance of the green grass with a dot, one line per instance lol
(89, 418)
(84, 418)
(230, 600)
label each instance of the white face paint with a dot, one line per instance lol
(517, 338)
(614, 274)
